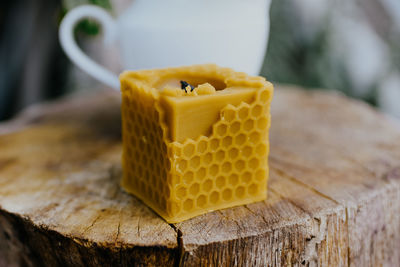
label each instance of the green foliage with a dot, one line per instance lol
(308, 61)
(294, 58)
(87, 26)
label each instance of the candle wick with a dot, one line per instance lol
(184, 85)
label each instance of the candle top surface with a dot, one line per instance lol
(199, 81)
(188, 90)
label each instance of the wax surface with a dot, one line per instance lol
(185, 155)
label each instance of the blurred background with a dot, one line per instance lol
(352, 46)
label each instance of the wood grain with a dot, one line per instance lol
(334, 192)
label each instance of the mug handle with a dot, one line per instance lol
(68, 43)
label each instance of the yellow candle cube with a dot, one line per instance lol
(198, 149)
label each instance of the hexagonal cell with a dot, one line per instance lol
(147, 124)
(173, 207)
(220, 155)
(207, 185)
(240, 191)
(175, 179)
(263, 96)
(157, 198)
(233, 179)
(233, 153)
(247, 151)
(158, 144)
(257, 110)
(160, 132)
(248, 125)
(260, 174)
(174, 150)
(194, 189)
(246, 177)
(200, 174)
(160, 171)
(142, 186)
(188, 177)
(181, 165)
(227, 194)
(152, 152)
(188, 205)
(156, 127)
(132, 168)
(137, 128)
(240, 139)
(148, 190)
(140, 119)
(131, 109)
(255, 137)
(163, 203)
(128, 126)
(188, 149)
(126, 115)
(262, 123)
(214, 144)
(207, 158)
(135, 182)
(154, 195)
(126, 101)
(220, 181)
(181, 192)
(152, 138)
(234, 127)
(160, 186)
(254, 163)
(167, 192)
(226, 167)
(240, 165)
(153, 183)
(141, 104)
(227, 141)
(214, 197)
(202, 146)
(142, 143)
(253, 189)
(261, 150)
(133, 140)
(221, 129)
(140, 170)
(214, 169)
(129, 152)
(167, 165)
(243, 112)
(153, 164)
(201, 201)
(194, 162)
(229, 114)
(147, 175)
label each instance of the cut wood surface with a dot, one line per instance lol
(333, 196)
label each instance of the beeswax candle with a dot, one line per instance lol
(197, 149)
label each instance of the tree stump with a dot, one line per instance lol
(333, 199)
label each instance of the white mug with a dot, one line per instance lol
(169, 33)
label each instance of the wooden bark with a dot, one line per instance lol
(333, 199)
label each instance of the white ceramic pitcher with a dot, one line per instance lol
(165, 33)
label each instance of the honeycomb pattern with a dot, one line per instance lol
(180, 180)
